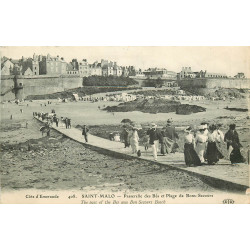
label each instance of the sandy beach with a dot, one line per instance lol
(30, 161)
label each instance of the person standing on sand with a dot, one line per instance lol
(191, 157)
(155, 137)
(85, 131)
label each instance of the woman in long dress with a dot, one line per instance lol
(201, 142)
(233, 145)
(125, 135)
(134, 141)
(191, 157)
(213, 153)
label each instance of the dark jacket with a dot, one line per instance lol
(85, 131)
(154, 135)
(232, 139)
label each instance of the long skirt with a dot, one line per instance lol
(166, 146)
(200, 149)
(236, 156)
(134, 145)
(126, 142)
(213, 153)
(191, 157)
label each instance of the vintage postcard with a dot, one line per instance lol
(124, 125)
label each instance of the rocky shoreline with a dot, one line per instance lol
(155, 106)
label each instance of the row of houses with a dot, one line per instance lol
(48, 65)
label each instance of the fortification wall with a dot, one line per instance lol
(209, 83)
(33, 85)
(229, 83)
(6, 84)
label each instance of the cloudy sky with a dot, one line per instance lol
(228, 60)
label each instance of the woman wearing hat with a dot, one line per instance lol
(191, 157)
(170, 137)
(205, 126)
(134, 140)
(233, 145)
(213, 154)
(201, 141)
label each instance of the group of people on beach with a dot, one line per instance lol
(201, 145)
(206, 143)
(165, 139)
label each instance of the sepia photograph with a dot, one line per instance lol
(124, 125)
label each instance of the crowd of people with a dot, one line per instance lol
(51, 118)
(202, 145)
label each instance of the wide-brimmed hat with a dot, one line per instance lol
(205, 126)
(188, 129)
(201, 127)
(153, 125)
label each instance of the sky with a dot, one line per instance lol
(228, 60)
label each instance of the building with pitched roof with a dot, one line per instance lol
(95, 69)
(72, 69)
(84, 70)
(52, 65)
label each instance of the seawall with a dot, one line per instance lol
(34, 85)
(152, 82)
(215, 83)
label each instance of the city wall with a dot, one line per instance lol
(209, 83)
(34, 85)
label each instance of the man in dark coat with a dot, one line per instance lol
(155, 137)
(85, 131)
